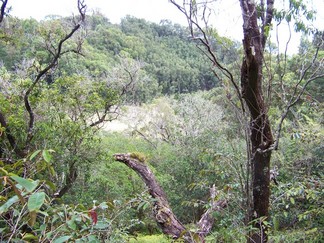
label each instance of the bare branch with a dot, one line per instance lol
(297, 94)
(103, 118)
(204, 40)
(282, 70)
(267, 21)
(56, 55)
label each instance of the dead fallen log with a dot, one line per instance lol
(162, 212)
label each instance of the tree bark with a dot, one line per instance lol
(261, 135)
(162, 212)
(3, 9)
(70, 179)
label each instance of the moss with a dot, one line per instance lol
(150, 239)
(139, 156)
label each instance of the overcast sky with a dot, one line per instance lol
(228, 21)
(152, 10)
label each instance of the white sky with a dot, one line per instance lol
(228, 21)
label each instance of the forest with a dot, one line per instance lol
(146, 132)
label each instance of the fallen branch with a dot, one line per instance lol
(162, 212)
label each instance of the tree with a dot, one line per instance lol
(55, 54)
(257, 22)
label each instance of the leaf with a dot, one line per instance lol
(146, 205)
(34, 154)
(292, 200)
(92, 239)
(29, 237)
(93, 214)
(35, 201)
(8, 204)
(71, 223)
(62, 239)
(47, 156)
(3, 171)
(276, 223)
(196, 238)
(141, 205)
(27, 184)
(103, 205)
(51, 170)
(51, 185)
(32, 218)
(44, 213)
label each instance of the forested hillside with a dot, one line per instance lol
(64, 80)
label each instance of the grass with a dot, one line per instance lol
(150, 239)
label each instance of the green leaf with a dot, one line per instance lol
(51, 185)
(196, 238)
(7, 204)
(35, 201)
(29, 237)
(93, 239)
(47, 156)
(44, 213)
(27, 184)
(103, 205)
(292, 200)
(34, 154)
(3, 171)
(62, 239)
(276, 223)
(71, 223)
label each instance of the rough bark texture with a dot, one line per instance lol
(261, 136)
(164, 216)
(162, 212)
(3, 9)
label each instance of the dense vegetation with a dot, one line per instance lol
(63, 184)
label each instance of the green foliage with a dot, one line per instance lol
(227, 235)
(299, 14)
(149, 239)
(28, 205)
(171, 59)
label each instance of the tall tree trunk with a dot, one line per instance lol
(260, 136)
